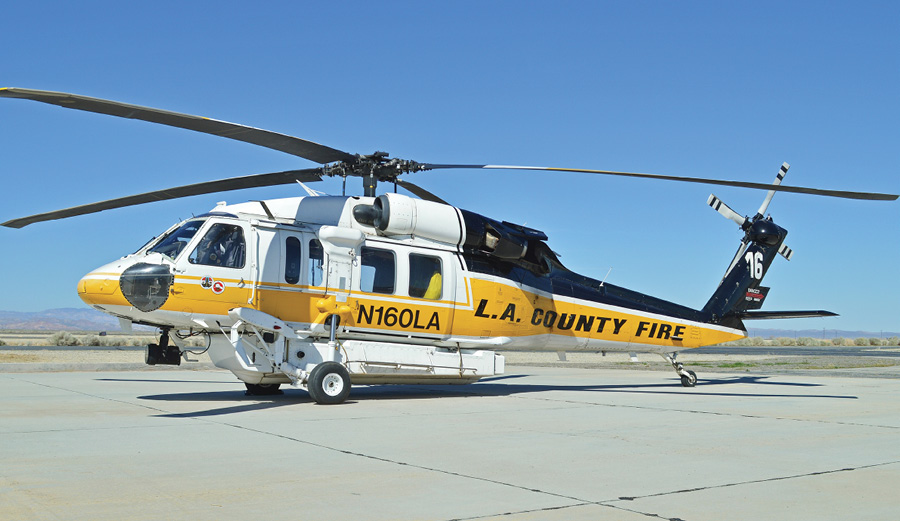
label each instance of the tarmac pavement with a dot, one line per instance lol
(537, 444)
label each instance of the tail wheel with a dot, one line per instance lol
(329, 383)
(689, 380)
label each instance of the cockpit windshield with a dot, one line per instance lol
(171, 244)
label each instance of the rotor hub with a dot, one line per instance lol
(373, 168)
(377, 165)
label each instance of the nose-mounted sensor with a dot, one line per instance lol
(146, 286)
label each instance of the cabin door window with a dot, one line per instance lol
(378, 271)
(293, 258)
(316, 264)
(425, 277)
(310, 273)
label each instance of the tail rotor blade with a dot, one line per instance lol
(778, 178)
(786, 252)
(724, 209)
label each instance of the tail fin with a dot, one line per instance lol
(740, 289)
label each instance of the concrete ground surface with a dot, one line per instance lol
(540, 443)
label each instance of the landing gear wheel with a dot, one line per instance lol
(263, 389)
(329, 383)
(690, 379)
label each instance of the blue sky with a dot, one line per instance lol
(707, 89)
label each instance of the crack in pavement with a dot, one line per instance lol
(763, 480)
(711, 413)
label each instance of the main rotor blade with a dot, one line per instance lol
(421, 192)
(281, 142)
(874, 196)
(210, 187)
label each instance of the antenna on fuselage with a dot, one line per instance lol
(605, 276)
(310, 191)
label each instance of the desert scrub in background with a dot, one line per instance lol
(63, 338)
(113, 341)
(814, 342)
(92, 340)
(196, 341)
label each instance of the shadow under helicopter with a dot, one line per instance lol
(494, 386)
(151, 380)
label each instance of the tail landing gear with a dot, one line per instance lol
(688, 378)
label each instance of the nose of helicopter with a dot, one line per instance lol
(101, 286)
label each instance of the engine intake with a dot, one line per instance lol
(396, 214)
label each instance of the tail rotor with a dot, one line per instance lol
(746, 223)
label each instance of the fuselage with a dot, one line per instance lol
(305, 259)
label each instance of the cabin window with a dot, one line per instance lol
(292, 257)
(172, 244)
(316, 262)
(378, 271)
(223, 245)
(425, 277)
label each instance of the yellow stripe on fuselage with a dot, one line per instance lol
(492, 308)
(507, 310)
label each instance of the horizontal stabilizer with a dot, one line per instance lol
(760, 315)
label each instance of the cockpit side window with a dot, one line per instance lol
(172, 244)
(223, 245)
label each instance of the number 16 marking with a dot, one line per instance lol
(754, 264)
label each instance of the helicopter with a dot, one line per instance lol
(325, 292)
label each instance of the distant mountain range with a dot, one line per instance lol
(61, 319)
(88, 319)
